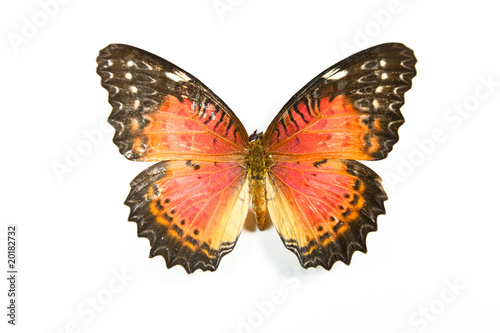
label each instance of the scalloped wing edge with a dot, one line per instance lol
(171, 249)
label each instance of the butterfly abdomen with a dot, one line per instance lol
(257, 172)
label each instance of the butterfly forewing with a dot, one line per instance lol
(351, 110)
(161, 112)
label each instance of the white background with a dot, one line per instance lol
(431, 267)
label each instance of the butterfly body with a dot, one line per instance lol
(302, 170)
(258, 164)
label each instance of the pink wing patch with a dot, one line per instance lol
(324, 209)
(191, 211)
(339, 131)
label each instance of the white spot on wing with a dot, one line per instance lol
(128, 76)
(177, 76)
(384, 76)
(141, 149)
(370, 65)
(379, 89)
(334, 74)
(147, 65)
(133, 89)
(136, 104)
(110, 62)
(383, 63)
(130, 63)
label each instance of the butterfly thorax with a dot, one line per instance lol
(257, 162)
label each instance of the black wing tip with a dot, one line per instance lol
(107, 51)
(407, 71)
(409, 60)
(106, 55)
(397, 46)
(110, 67)
(118, 50)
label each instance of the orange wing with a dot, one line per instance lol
(161, 112)
(191, 211)
(324, 209)
(351, 110)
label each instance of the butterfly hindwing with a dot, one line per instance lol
(191, 211)
(323, 209)
(161, 112)
(350, 111)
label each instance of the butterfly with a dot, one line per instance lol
(303, 169)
